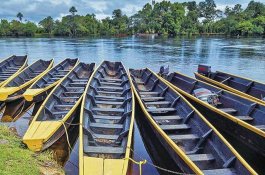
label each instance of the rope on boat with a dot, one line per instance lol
(66, 133)
(158, 167)
(140, 163)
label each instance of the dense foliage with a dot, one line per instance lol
(164, 17)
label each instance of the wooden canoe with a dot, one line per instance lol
(107, 116)
(242, 118)
(242, 86)
(10, 66)
(59, 109)
(39, 90)
(193, 143)
(17, 85)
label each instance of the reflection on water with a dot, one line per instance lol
(239, 56)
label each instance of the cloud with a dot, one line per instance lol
(130, 9)
(36, 10)
(98, 6)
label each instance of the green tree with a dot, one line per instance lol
(116, 14)
(119, 21)
(20, 16)
(73, 10)
(71, 21)
(245, 27)
(209, 12)
(254, 9)
(47, 24)
(29, 29)
(5, 28)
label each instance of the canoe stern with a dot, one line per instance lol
(31, 93)
(99, 166)
(6, 91)
(39, 132)
(34, 144)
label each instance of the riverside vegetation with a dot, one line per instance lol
(17, 159)
(165, 18)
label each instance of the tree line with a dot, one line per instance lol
(165, 18)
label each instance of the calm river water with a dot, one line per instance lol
(244, 56)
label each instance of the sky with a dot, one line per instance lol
(35, 10)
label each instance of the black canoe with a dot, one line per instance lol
(107, 115)
(39, 90)
(193, 143)
(239, 117)
(243, 86)
(12, 90)
(11, 66)
(15, 87)
(60, 107)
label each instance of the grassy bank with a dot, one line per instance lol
(16, 159)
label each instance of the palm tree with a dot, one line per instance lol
(20, 16)
(73, 10)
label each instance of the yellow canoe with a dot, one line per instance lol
(11, 66)
(195, 146)
(59, 109)
(39, 90)
(242, 86)
(11, 92)
(238, 116)
(14, 87)
(107, 117)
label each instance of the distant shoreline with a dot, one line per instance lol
(136, 35)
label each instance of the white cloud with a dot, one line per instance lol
(98, 6)
(61, 15)
(31, 7)
(102, 16)
(58, 2)
(130, 9)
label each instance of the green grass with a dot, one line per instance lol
(16, 159)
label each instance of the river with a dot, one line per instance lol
(244, 56)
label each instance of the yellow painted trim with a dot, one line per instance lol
(241, 77)
(99, 161)
(81, 149)
(7, 91)
(173, 145)
(24, 65)
(31, 93)
(230, 117)
(130, 136)
(25, 140)
(238, 156)
(211, 81)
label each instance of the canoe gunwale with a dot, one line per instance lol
(98, 161)
(45, 89)
(8, 96)
(229, 88)
(234, 119)
(177, 149)
(23, 66)
(240, 159)
(66, 117)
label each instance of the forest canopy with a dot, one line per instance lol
(165, 18)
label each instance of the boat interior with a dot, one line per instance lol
(241, 108)
(247, 86)
(55, 74)
(66, 94)
(10, 66)
(183, 125)
(107, 112)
